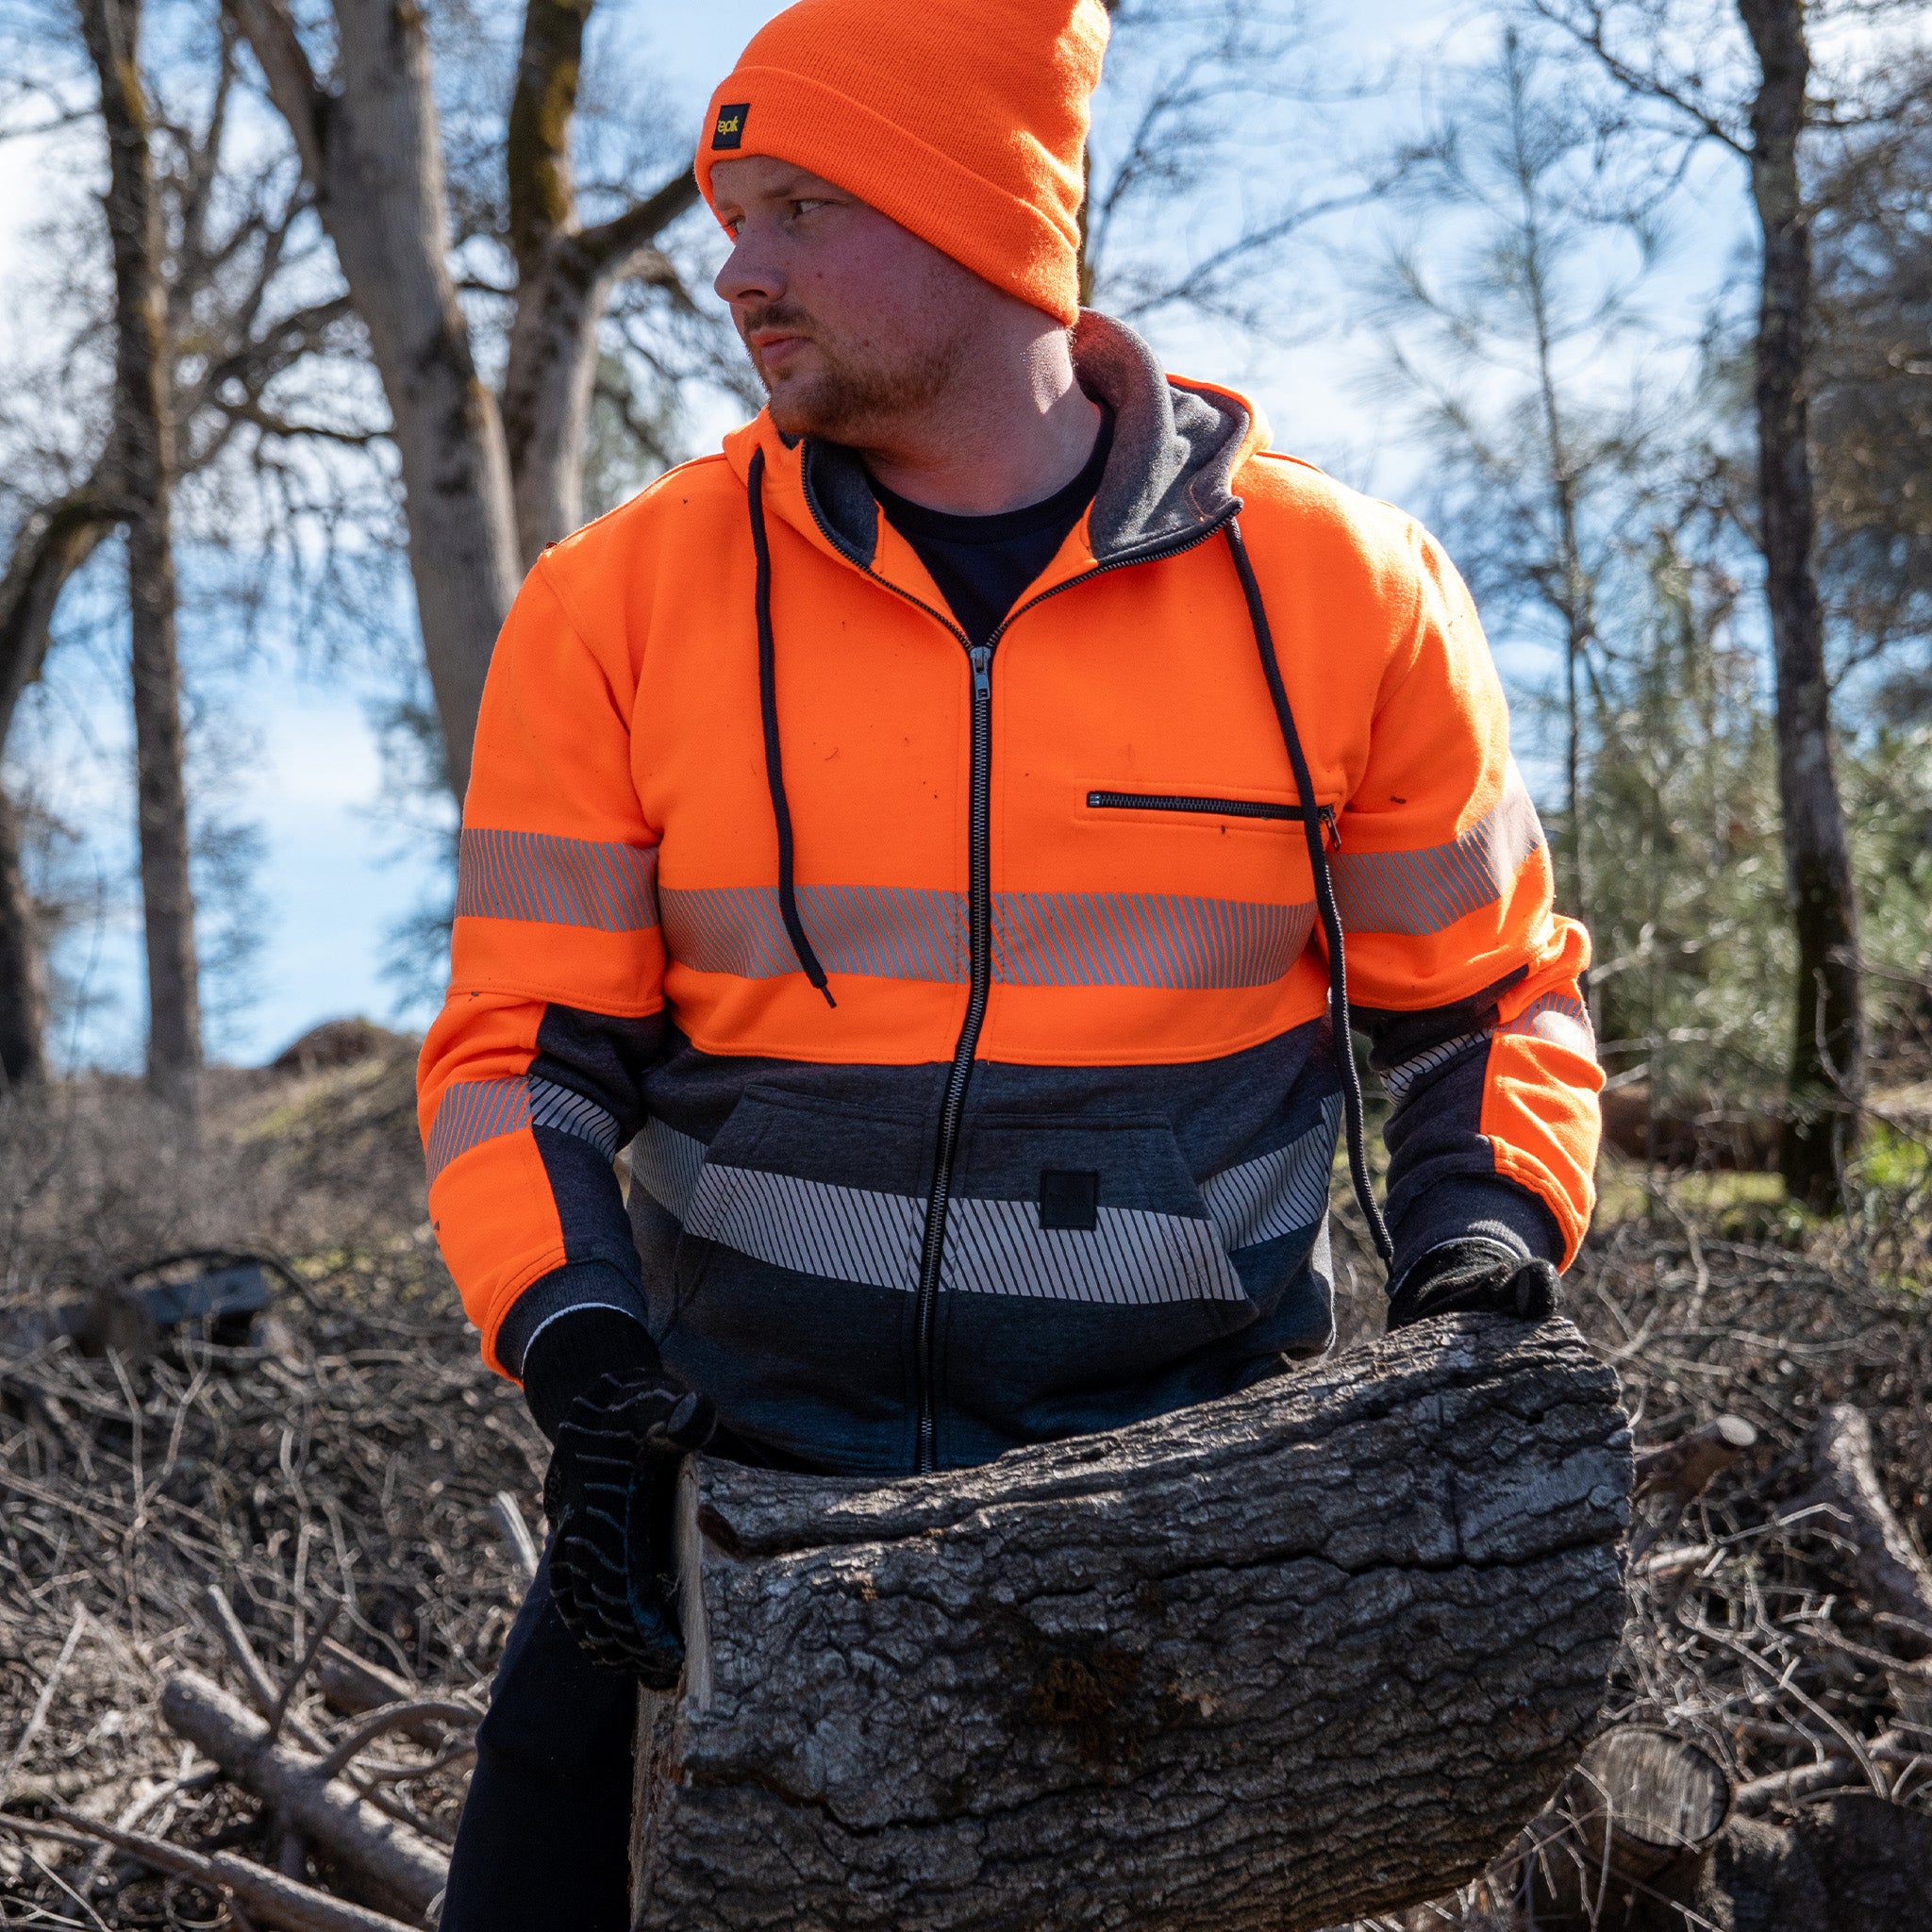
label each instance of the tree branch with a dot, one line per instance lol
(623, 235)
(52, 544)
(269, 28)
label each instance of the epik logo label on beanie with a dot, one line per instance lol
(729, 130)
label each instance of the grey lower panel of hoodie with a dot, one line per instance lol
(771, 1242)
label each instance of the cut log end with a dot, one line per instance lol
(1313, 1651)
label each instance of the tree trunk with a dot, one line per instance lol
(1308, 1652)
(23, 972)
(145, 435)
(1828, 1051)
(51, 544)
(564, 277)
(373, 150)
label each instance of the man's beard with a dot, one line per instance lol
(845, 400)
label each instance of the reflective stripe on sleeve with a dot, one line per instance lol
(1417, 892)
(552, 881)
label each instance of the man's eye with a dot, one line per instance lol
(807, 206)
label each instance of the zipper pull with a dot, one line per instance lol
(981, 655)
(1326, 814)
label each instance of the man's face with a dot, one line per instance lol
(852, 322)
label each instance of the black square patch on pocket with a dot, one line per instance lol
(1069, 1199)
(729, 130)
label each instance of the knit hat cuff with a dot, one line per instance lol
(1003, 240)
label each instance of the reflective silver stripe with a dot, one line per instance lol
(472, 1111)
(1278, 1193)
(879, 931)
(604, 885)
(1559, 1017)
(1039, 938)
(1143, 939)
(1132, 1258)
(1416, 892)
(667, 1163)
(1399, 1078)
(845, 1234)
(562, 1107)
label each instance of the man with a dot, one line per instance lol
(925, 834)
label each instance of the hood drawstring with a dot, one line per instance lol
(768, 708)
(1312, 818)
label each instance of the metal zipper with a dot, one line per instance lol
(980, 945)
(1214, 807)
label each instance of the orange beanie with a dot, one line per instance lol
(965, 120)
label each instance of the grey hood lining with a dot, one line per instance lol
(1169, 480)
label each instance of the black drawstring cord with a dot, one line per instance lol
(768, 707)
(1324, 899)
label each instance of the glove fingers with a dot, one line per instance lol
(611, 1492)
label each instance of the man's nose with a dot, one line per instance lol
(751, 273)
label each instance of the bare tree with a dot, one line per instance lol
(1211, 152)
(1503, 335)
(1872, 397)
(486, 486)
(144, 463)
(1763, 119)
(200, 337)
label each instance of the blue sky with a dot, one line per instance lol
(339, 868)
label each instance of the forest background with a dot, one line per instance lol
(1504, 265)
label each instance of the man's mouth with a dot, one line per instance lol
(777, 349)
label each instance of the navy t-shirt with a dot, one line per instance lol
(984, 564)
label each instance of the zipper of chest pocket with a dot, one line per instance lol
(1214, 807)
(932, 1246)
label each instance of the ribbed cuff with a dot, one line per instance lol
(573, 1351)
(1489, 1210)
(577, 1285)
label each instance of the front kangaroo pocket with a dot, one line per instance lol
(1080, 1268)
(795, 1275)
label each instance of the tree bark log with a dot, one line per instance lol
(144, 444)
(1828, 1042)
(1281, 1661)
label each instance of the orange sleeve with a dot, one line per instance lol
(1465, 977)
(529, 1079)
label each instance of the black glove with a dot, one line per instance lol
(569, 1355)
(609, 1495)
(1475, 1277)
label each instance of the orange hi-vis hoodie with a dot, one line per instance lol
(967, 1012)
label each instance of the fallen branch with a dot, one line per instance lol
(328, 1811)
(43, 1705)
(263, 1692)
(396, 1717)
(1893, 1578)
(515, 1533)
(353, 1686)
(283, 1902)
